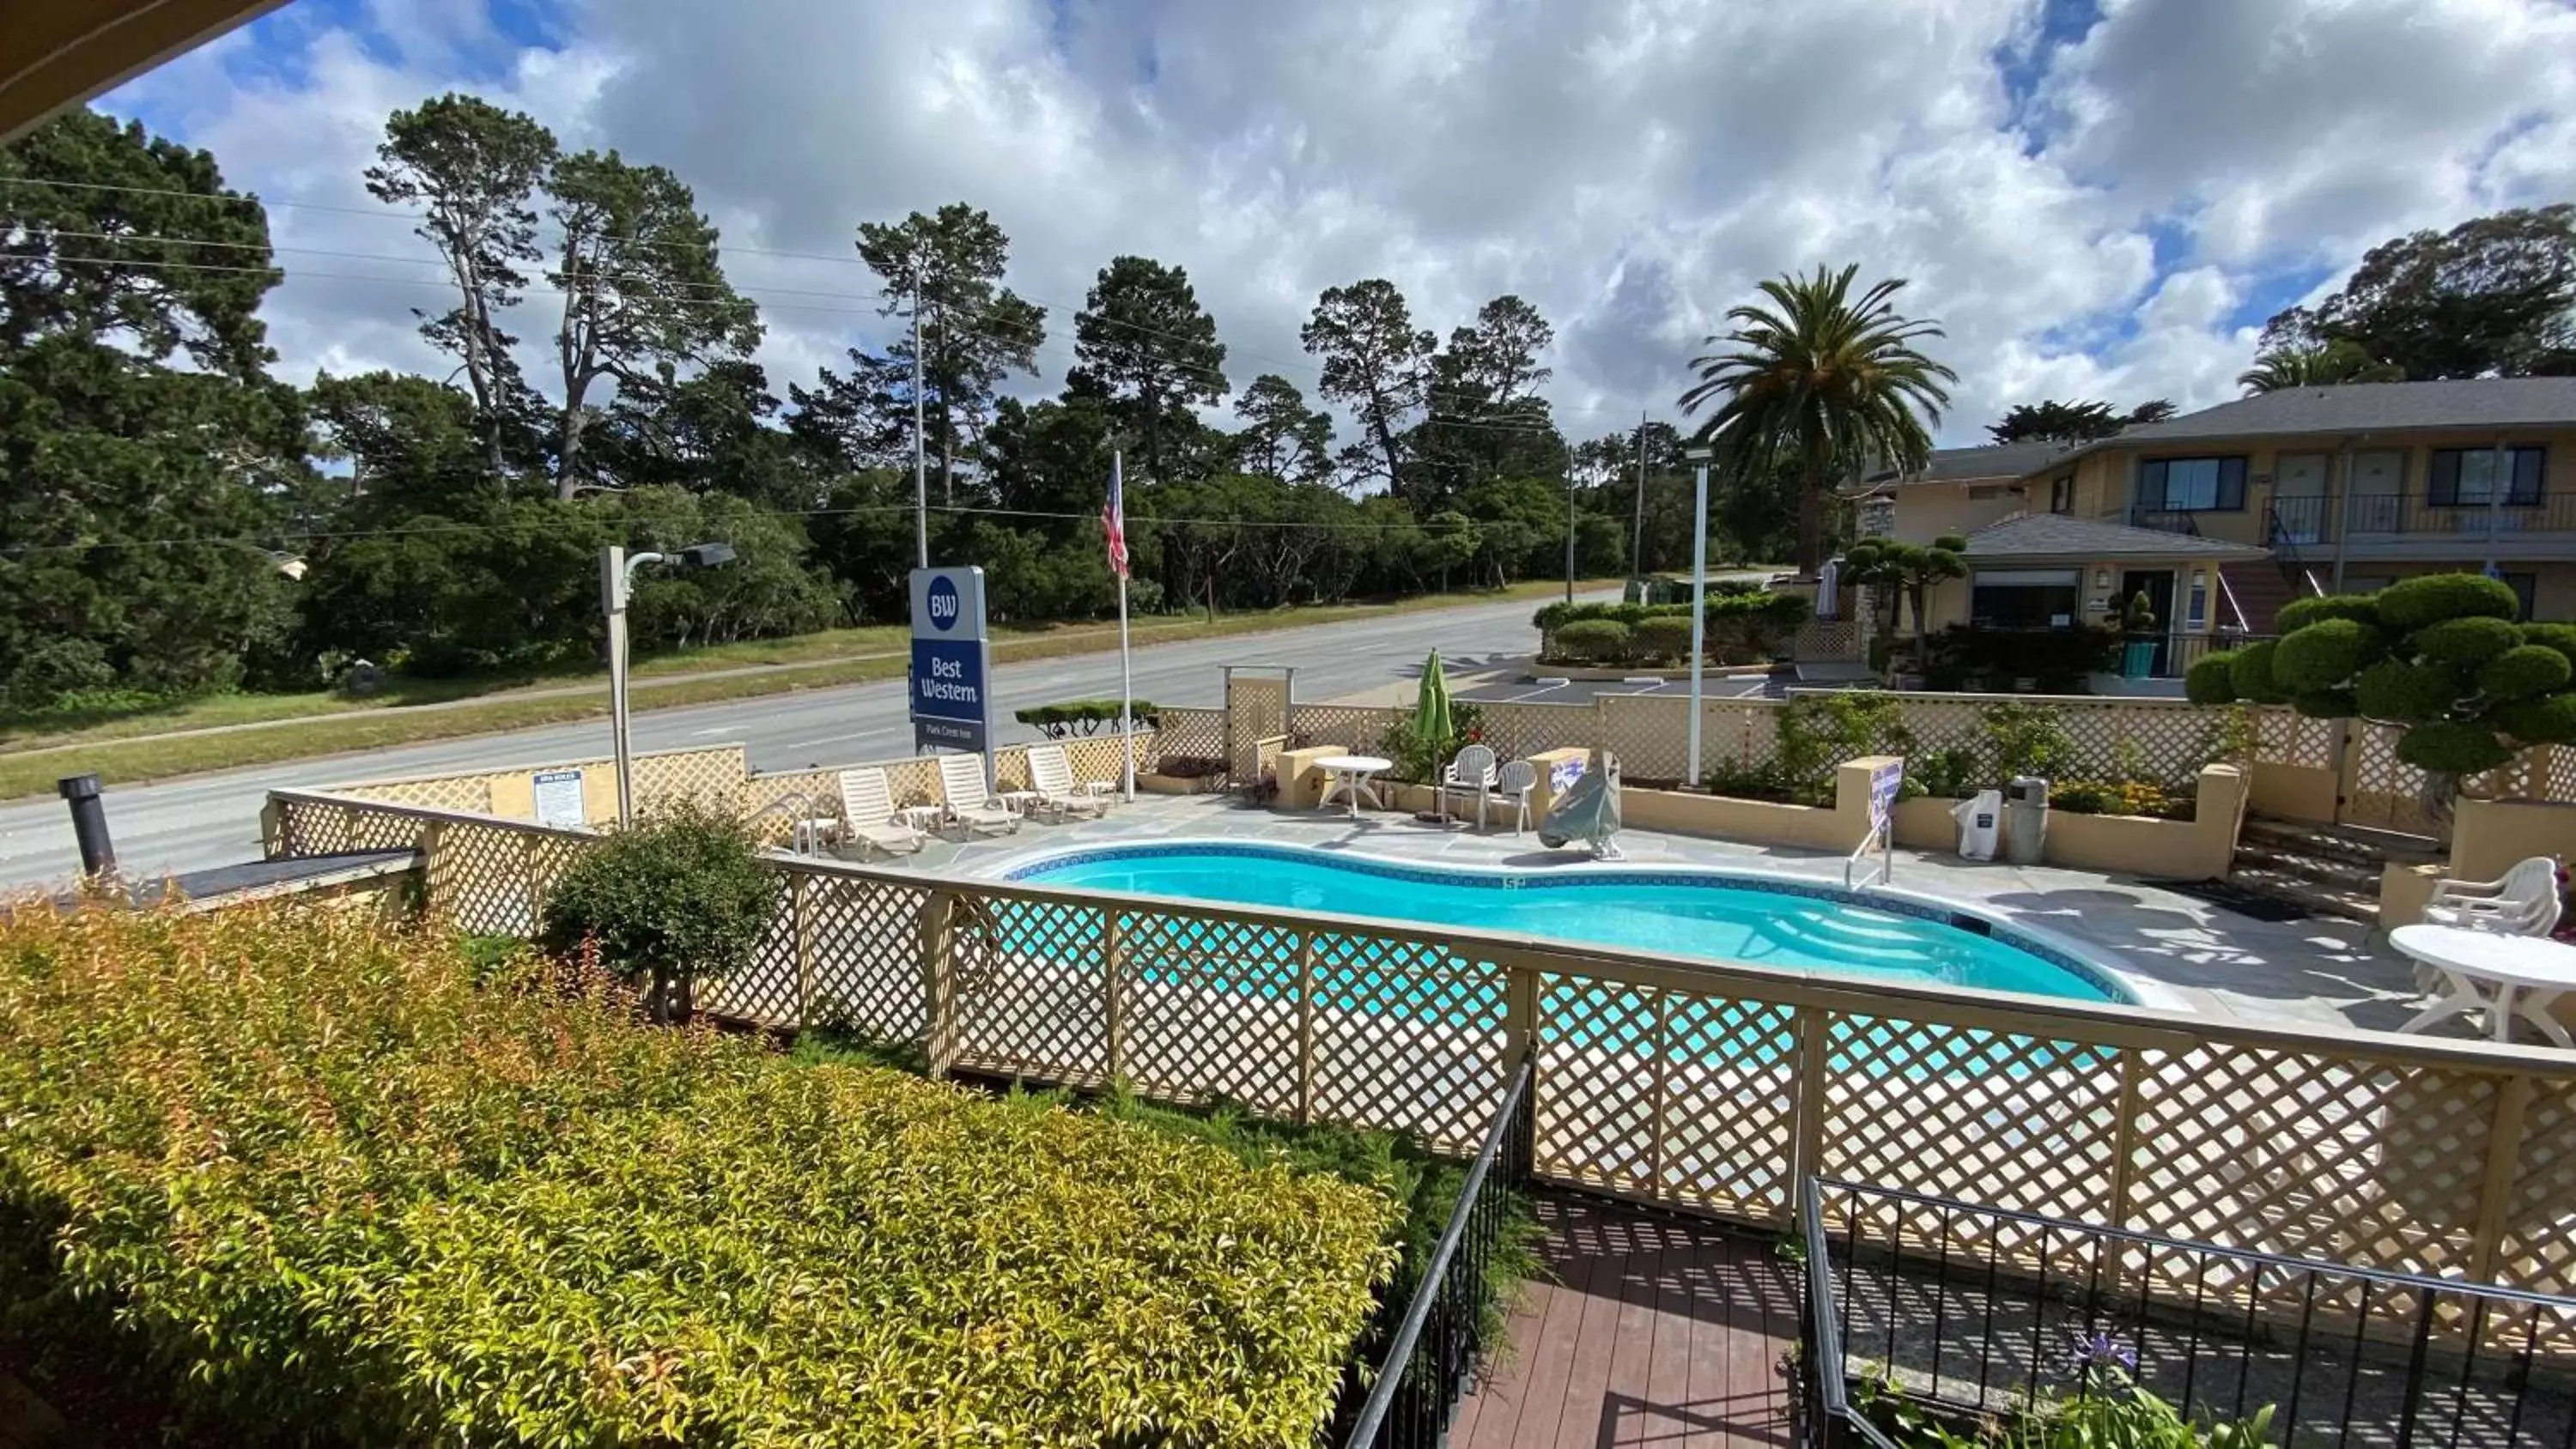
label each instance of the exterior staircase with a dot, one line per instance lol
(2327, 870)
(2260, 587)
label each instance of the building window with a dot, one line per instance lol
(2023, 598)
(2526, 587)
(1987, 492)
(2466, 477)
(2192, 485)
(2061, 494)
(2199, 616)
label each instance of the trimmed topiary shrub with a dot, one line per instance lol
(1072, 717)
(2549, 721)
(678, 898)
(2406, 693)
(2448, 747)
(2250, 671)
(2323, 655)
(2464, 643)
(2211, 680)
(2410, 604)
(1664, 638)
(328, 1188)
(1594, 641)
(2300, 613)
(2560, 637)
(2526, 671)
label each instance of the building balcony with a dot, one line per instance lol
(2386, 525)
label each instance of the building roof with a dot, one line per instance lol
(1968, 465)
(2369, 407)
(2025, 537)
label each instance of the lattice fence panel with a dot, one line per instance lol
(1011, 767)
(914, 781)
(1103, 757)
(1726, 1105)
(1356, 727)
(318, 827)
(1989, 1116)
(1265, 756)
(1828, 641)
(769, 988)
(2306, 1156)
(1032, 991)
(481, 879)
(471, 794)
(1189, 733)
(775, 803)
(710, 777)
(1406, 1035)
(1518, 731)
(1211, 1008)
(867, 973)
(1646, 732)
(2287, 737)
(2555, 772)
(1943, 722)
(1740, 733)
(2536, 1246)
(1598, 1046)
(549, 854)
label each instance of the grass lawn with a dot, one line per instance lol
(257, 729)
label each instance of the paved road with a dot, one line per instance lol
(206, 820)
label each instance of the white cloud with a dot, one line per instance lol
(1632, 166)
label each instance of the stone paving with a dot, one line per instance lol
(2315, 972)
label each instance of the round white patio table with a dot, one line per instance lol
(1351, 779)
(2477, 963)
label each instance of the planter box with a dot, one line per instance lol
(2201, 848)
(1153, 784)
(1839, 829)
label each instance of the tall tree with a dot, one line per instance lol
(2056, 422)
(2493, 296)
(1282, 437)
(1824, 378)
(473, 168)
(2330, 363)
(135, 495)
(1144, 341)
(947, 270)
(1486, 418)
(2153, 410)
(644, 294)
(1377, 364)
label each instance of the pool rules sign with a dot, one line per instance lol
(952, 687)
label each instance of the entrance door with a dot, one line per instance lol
(2378, 503)
(2299, 498)
(2158, 586)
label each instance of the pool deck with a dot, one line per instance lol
(2316, 972)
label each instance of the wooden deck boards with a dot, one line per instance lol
(1653, 1332)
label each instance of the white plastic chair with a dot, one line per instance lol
(1051, 778)
(972, 806)
(2524, 903)
(1472, 771)
(868, 818)
(1514, 786)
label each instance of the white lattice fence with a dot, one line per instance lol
(1646, 733)
(1356, 727)
(1516, 731)
(1189, 733)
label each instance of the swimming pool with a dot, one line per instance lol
(1761, 920)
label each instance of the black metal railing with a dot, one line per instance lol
(2165, 520)
(2420, 514)
(1969, 1313)
(1422, 1364)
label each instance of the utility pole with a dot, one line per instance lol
(1637, 535)
(920, 467)
(1569, 526)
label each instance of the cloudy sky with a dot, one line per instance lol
(2097, 199)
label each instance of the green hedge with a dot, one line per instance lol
(338, 1191)
(1081, 716)
(1744, 627)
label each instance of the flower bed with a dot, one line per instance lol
(327, 1181)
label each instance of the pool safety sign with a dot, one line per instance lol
(952, 687)
(1886, 782)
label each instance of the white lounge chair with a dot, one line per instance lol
(1051, 779)
(972, 806)
(868, 818)
(2524, 903)
(1472, 771)
(1513, 787)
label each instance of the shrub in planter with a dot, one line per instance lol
(1818, 732)
(1662, 638)
(1596, 641)
(1081, 716)
(678, 897)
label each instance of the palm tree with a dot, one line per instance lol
(2322, 364)
(1823, 380)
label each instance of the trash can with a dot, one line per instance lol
(2026, 820)
(1978, 819)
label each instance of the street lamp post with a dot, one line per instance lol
(616, 584)
(1699, 457)
(1569, 530)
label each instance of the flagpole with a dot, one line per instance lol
(1126, 665)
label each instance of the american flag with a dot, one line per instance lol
(1113, 516)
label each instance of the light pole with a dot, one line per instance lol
(1569, 527)
(1699, 457)
(616, 583)
(920, 456)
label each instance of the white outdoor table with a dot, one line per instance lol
(2475, 963)
(1351, 779)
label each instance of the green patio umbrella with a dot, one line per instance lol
(1433, 720)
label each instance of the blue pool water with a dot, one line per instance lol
(1793, 924)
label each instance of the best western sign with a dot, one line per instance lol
(952, 687)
